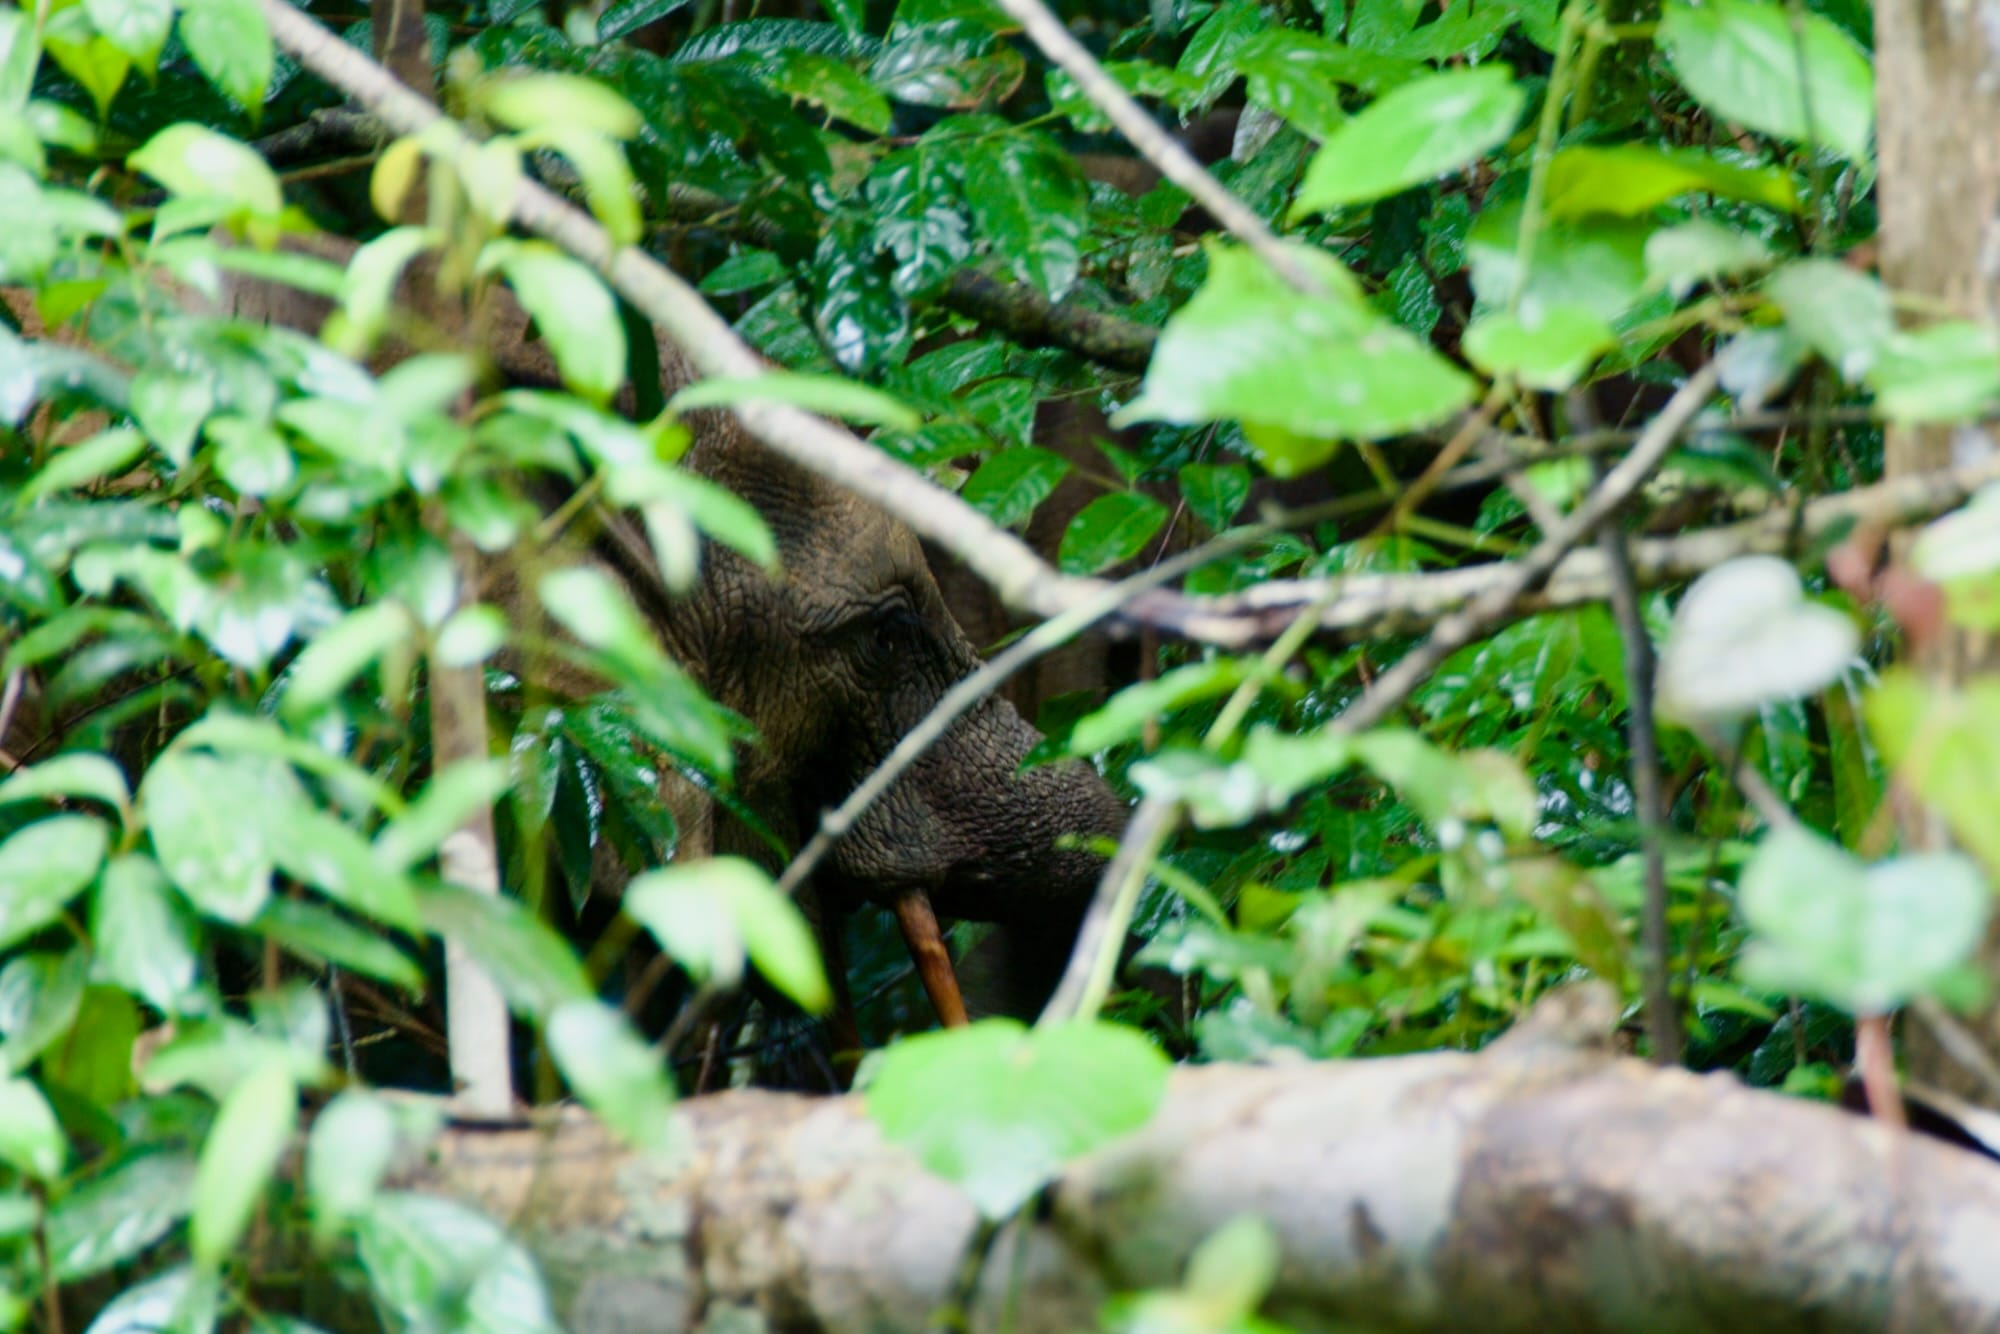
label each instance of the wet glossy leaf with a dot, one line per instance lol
(1215, 492)
(920, 217)
(1009, 485)
(1031, 206)
(1410, 135)
(998, 1109)
(340, 653)
(613, 1070)
(183, 1300)
(1866, 938)
(251, 1131)
(1108, 530)
(955, 63)
(170, 407)
(712, 915)
(861, 317)
(830, 84)
(43, 867)
(208, 817)
(1748, 62)
(40, 993)
(1745, 636)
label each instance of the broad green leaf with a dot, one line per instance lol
(533, 101)
(180, 1300)
(341, 652)
(1866, 938)
(437, 1264)
(1410, 135)
(211, 823)
(1299, 76)
(1125, 715)
(320, 935)
(98, 67)
(600, 165)
(79, 774)
(1632, 179)
(999, 1109)
(1250, 348)
(170, 406)
(20, 53)
(1944, 372)
(613, 1070)
(711, 915)
(830, 84)
(588, 604)
(1013, 482)
(1797, 76)
(470, 635)
(232, 46)
(136, 27)
(1031, 206)
(572, 309)
(1215, 492)
(1745, 636)
(1841, 314)
(251, 455)
(1544, 347)
(195, 162)
(142, 939)
(40, 993)
(955, 63)
(368, 289)
(528, 961)
(1944, 745)
(918, 204)
(30, 1140)
(318, 849)
(251, 1131)
(352, 1143)
(453, 796)
(828, 395)
(94, 1060)
(106, 454)
(115, 1216)
(1679, 257)
(1232, 1271)
(1110, 529)
(1597, 263)
(43, 867)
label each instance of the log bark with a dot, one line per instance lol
(1528, 1188)
(1938, 100)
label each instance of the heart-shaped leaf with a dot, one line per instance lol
(1745, 636)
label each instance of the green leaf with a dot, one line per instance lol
(136, 27)
(94, 1059)
(1299, 76)
(710, 915)
(587, 603)
(43, 866)
(39, 996)
(1125, 715)
(210, 821)
(1410, 135)
(116, 1216)
(613, 1070)
(1745, 636)
(828, 395)
(78, 774)
(1942, 373)
(106, 454)
(320, 935)
(98, 67)
(170, 407)
(1597, 263)
(1029, 204)
(1748, 62)
(955, 63)
(341, 652)
(1545, 347)
(317, 848)
(192, 161)
(1944, 745)
(352, 1143)
(436, 1264)
(528, 961)
(1632, 179)
(1110, 529)
(1841, 314)
(573, 310)
(141, 935)
(251, 455)
(1868, 939)
(1249, 347)
(251, 1131)
(368, 288)
(232, 46)
(1013, 482)
(600, 165)
(999, 1109)
(1215, 492)
(453, 796)
(1232, 1271)
(1677, 258)
(830, 84)
(534, 101)
(30, 1140)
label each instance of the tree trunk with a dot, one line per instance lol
(1528, 1188)
(1938, 106)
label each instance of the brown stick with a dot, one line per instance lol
(933, 960)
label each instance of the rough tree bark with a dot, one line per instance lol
(1938, 101)
(1533, 1187)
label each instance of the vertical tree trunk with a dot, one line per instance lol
(1938, 108)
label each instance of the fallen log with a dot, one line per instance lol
(1532, 1187)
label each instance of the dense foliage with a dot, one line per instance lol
(234, 560)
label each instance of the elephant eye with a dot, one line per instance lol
(894, 626)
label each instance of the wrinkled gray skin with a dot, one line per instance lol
(834, 662)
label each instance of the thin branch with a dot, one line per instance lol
(1158, 147)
